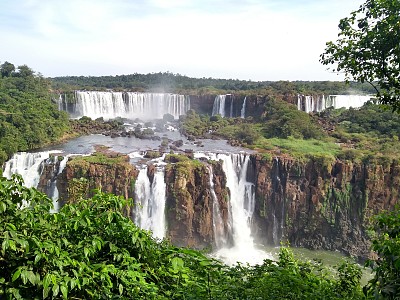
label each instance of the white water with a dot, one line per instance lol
(150, 202)
(242, 202)
(144, 106)
(219, 105)
(220, 238)
(320, 103)
(28, 165)
(243, 110)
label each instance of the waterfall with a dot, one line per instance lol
(220, 237)
(28, 165)
(219, 105)
(319, 103)
(53, 190)
(231, 107)
(347, 101)
(242, 202)
(129, 105)
(243, 110)
(150, 202)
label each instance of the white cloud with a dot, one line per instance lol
(251, 40)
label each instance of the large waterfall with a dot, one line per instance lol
(321, 102)
(242, 203)
(150, 202)
(130, 105)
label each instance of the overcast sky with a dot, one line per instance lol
(239, 39)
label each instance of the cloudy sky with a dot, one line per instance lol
(239, 39)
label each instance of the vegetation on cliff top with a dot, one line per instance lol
(89, 250)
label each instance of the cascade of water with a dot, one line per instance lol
(219, 105)
(220, 237)
(53, 190)
(231, 108)
(348, 101)
(320, 103)
(243, 110)
(130, 105)
(28, 165)
(150, 202)
(242, 207)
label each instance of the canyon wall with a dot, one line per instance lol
(317, 204)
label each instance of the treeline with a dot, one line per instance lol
(28, 118)
(169, 82)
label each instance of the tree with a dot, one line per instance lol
(386, 281)
(368, 49)
(7, 69)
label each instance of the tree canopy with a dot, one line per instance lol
(28, 118)
(368, 49)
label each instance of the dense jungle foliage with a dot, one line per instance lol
(169, 82)
(28, 118)
(89, 250)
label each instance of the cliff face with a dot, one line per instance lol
(321, 205)
(316, 204)
(111, 176)
(189, 206)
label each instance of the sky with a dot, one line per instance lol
(261, 40)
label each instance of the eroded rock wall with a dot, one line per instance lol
(320, 204)
(189, 206)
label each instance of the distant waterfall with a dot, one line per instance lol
(130, 105)
(219, 105)
(243, 110)
(150, 202)
(319, 103)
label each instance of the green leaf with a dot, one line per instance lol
(16, 275)
(86, 251)
(31, 277)
(55, 290)
(38, 257)
(64, 291)
(121, 289)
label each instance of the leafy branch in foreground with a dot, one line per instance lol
(89, 250)
(368, 49)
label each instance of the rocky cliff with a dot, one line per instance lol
(106, 171)
(317, 204)
(322, 205)
(189, 206)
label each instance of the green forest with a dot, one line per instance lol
(169, 82)
(28, 117)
